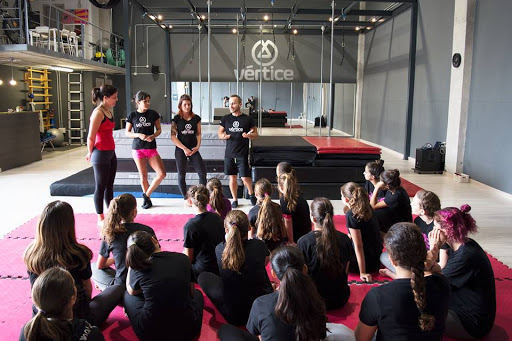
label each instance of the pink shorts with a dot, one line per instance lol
(144, 153)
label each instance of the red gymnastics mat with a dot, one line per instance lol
(340, 145)
(16, 303)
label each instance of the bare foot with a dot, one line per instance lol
(388, 273)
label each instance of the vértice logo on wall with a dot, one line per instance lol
(143, 123)
(266, 53)
(236, 128)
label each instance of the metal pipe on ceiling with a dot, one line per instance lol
(321, 83)
(199, 66)
(260, 99)
(237, 56)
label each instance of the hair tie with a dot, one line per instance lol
(465, 208)
(42, 312)
(233, 224)
(266, 194)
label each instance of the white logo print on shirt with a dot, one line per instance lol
(143, 123)
(188, 129)
(235, 128)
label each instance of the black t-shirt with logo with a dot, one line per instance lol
(235, 126)
(143, 123)
(187, 130)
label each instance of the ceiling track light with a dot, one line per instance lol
(12, 81)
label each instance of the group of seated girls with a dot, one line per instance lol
(443, 283)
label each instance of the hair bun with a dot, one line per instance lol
(465, 208)
(380, 162)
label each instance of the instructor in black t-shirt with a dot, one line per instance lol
(237, 129)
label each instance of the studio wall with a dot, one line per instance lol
(385, 83)
(487, 151)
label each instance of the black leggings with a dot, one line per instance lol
(181, 165)
(104, 163)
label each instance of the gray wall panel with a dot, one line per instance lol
(489, 114)
(386, 78)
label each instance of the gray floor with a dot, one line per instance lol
(25, 191)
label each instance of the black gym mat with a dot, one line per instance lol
(270, 150)
(336, 175)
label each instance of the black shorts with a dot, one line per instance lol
(238, 165)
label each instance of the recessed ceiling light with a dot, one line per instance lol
(234, 30)
(266, 17)
(374, 19)
(357, 28)
(160, 17)
(170, 26)
(203, 17)
(295, 31)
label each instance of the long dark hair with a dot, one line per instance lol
(105, 90)
(55, 242)
(327, 244)
(237, 225)
(299, 304)
(269, 223)
(290, 187)
(406, 246)
(51, 293)
(120, 209)
(139, 251)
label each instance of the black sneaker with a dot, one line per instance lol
(234, 204)
(253, 199)
(147, 201)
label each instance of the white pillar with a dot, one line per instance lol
(460, 81)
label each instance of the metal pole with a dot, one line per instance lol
(168, 80)
(25, 10)
(329, 125)
(412, 75)
(200, 79)
(209, 66)
(321, 83)
(260, 101)
(291, 104)
(128, 52)
(237, 58)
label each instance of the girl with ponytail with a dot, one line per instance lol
(396, 206)
(202, 233)
(327, 253)
(117, 227)
(363, 228)
(266, 217)
(469, 272)
(243, 276)
(54, 294)
(160, 296)
(413, 306)
(295, 312)
(295, 208)
(218, 202)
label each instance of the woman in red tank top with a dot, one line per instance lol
(101, 146)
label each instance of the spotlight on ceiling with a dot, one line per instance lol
(266, 17)
(160, 17)
(234, 31)
(295, 31)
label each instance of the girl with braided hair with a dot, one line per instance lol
(243, 276)
(266, 217)
(295, 312)
(117, 227)
(469, 272)
(54, 294)
(159, 296)
(202, 233)
(327, 253)
(413, 306)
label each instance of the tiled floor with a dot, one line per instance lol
(25, 191)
